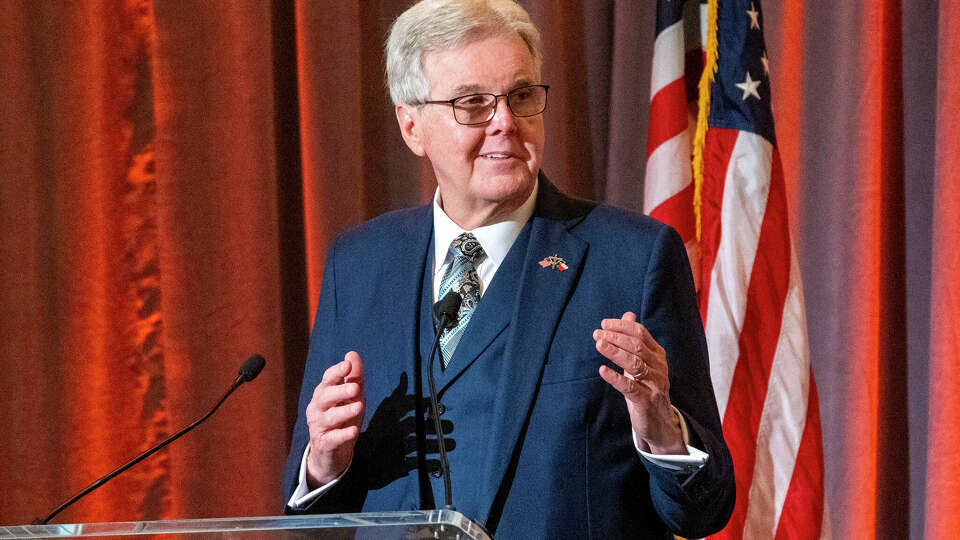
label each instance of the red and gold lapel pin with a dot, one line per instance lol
(555, 262)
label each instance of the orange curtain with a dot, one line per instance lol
(943, 463)
(172, 174)
(141, 258)
(878, 344)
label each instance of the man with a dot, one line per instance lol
(575, 390)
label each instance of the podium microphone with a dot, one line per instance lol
(446, 312)
(248, 371)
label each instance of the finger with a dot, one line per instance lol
(332, 378)
(334, 438)
(648, 340)
(343, 414)
(654, 355)
(356, 367)
(629, 344)
(626, 324)
(625, 385)
(325, 397)
(626, 360)
(335, 373)
(639, 340)
(340, 417)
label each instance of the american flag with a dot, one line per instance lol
(749, 285)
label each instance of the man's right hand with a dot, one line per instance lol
(334, 417)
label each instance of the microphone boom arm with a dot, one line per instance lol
(251, 368)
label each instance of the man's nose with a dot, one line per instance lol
(503, 119)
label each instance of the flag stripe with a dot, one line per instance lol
(669, 171)
(759, 334)
(728, 244)
(717, 155)
(784, 415)
(676, 211)
(668, 58)
(668, 114)
(804, 502)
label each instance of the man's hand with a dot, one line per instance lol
(644, 383)
(334, 417)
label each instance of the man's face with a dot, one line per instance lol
(484, 171)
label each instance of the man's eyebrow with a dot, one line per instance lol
(465, 89)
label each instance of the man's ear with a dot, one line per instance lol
(408, 116)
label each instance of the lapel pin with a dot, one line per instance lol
(554, 261)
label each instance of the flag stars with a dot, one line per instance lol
(754, 16)
(749, 87)
(766, 63)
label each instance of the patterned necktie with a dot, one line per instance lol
(461, 277)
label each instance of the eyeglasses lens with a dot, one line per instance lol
(479, 108)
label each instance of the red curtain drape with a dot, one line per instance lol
(172, 174)
(141, 257)
(943, 463)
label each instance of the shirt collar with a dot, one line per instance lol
(496, 239)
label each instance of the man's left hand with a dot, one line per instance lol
(643, 383)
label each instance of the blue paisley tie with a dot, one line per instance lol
(461, 277)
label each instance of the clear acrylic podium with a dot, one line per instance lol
(412, 525)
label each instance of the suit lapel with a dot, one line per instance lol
(427, 324)
(415, 246)
(540, 301)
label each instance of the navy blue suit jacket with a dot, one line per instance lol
(540, 445)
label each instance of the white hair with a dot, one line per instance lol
(437, 25)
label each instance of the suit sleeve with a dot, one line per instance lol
(323, 353)
(696, 504)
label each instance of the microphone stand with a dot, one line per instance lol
(446, 310)
(251, 368)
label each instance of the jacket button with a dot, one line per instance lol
(441, 408)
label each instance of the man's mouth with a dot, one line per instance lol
(496, 155)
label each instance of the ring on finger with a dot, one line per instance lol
(643, 368)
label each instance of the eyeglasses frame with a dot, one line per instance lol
(496, 103)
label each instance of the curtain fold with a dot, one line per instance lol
(873, 385)
(72, 328)
(218, 245)
(943, 463)
(172, 175)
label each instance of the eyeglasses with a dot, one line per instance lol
(475, 109)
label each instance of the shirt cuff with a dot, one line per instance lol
(302, 497)
(693, 461)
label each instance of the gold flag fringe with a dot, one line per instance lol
(703, 108)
